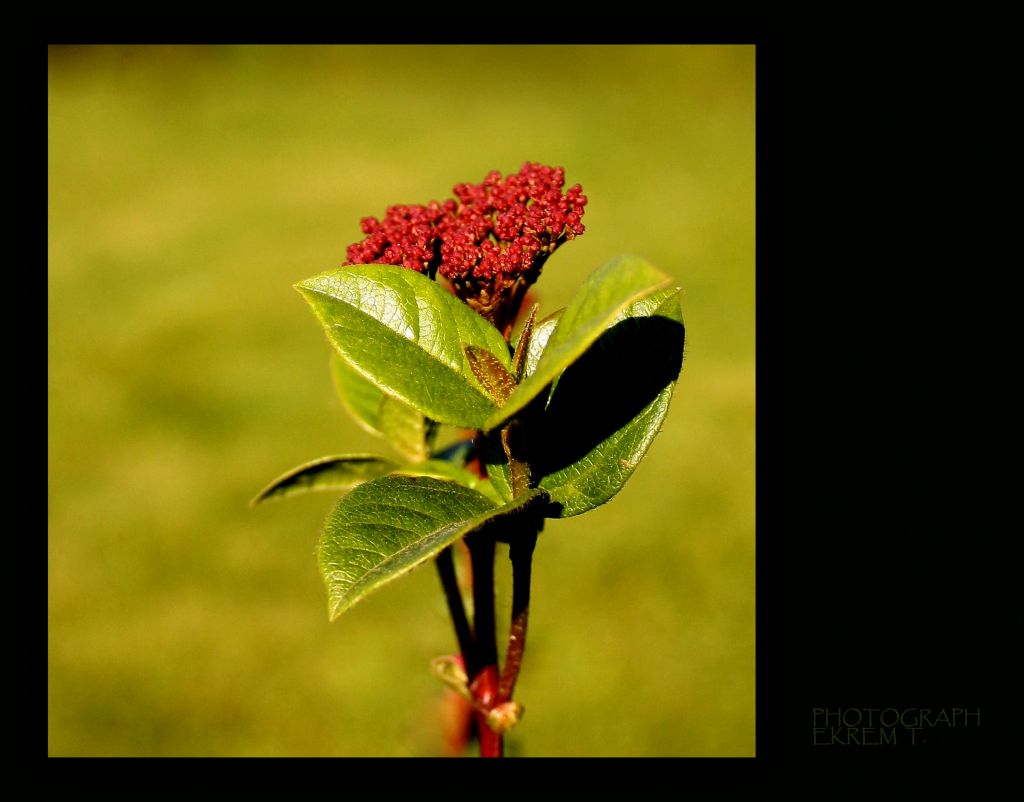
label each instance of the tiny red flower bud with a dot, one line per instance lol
(490, 241)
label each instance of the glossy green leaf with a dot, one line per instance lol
(604, 296)
(495, 460)
(443, 469)
(523, 345)
(405, 334)
(387, 527)
(493, 452)
(327, 473)
(360, 397)
(586, 440)
(404, 428)
(539, 340)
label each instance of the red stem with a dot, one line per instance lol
(485, 692)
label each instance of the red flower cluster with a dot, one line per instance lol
(503, 226)
(406, 236)
(490, 244)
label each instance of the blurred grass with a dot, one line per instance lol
(189, 188)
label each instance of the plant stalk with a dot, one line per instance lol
(521, 555)
(482, 670)
(485, 691)
(449, 581)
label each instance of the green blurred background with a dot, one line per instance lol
(189, 188)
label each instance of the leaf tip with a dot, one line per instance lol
(334, 610)
(265, 494)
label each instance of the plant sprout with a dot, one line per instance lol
(553, 422)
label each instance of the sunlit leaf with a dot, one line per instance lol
(387, 527)
(405, 333)
(360, 397)
(600, 301)
(327, 473)
(585, 441)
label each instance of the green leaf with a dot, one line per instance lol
(496, 463)
(327, 473)
(405, 334)
(604, 412)
(387, 527)
(443, 469)
(360, 397)
(604, 295)
(494, 451)
(539, 340)
(523, 346)
(404, 428)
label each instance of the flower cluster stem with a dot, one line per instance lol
(482, 669)
(488, 687)
(449, 582)
(485, 690)
(521, 556)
